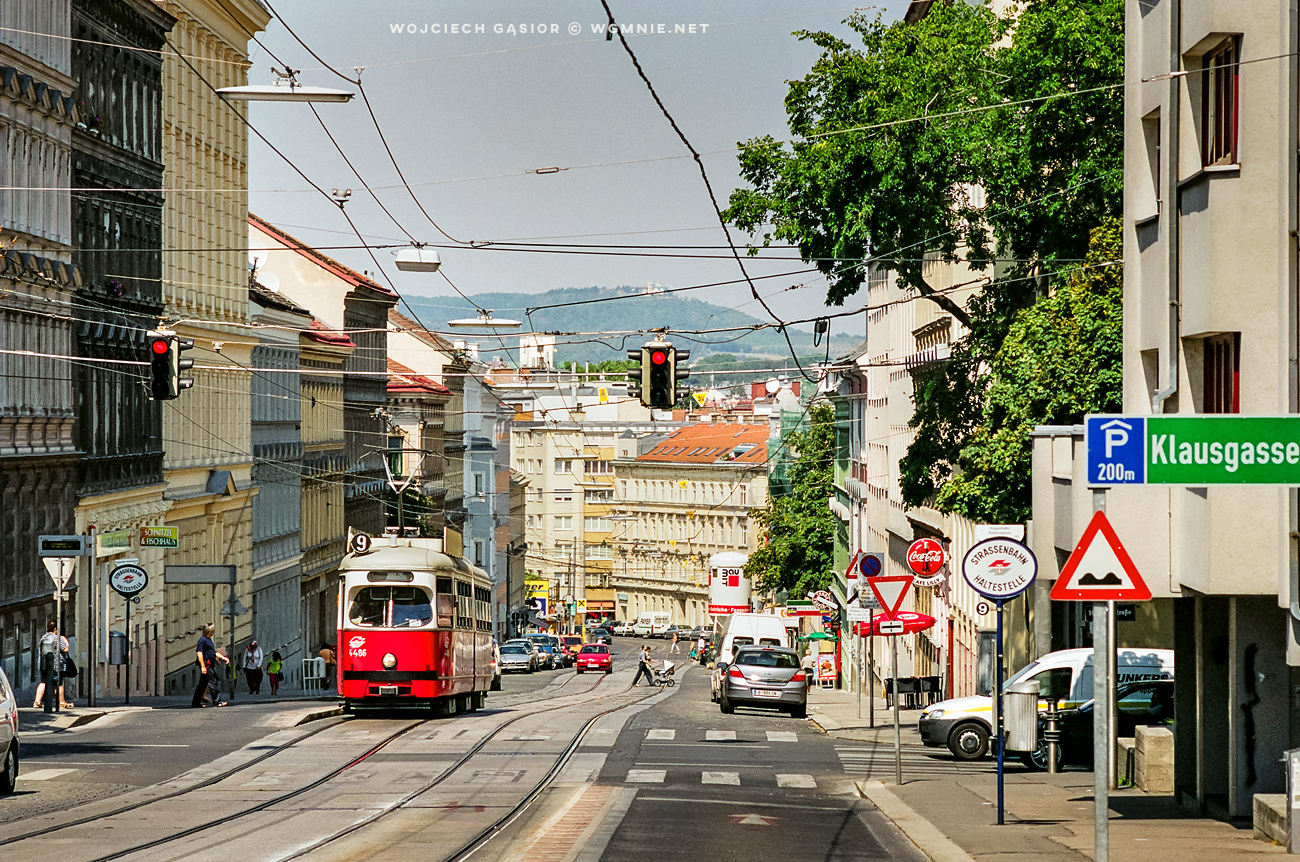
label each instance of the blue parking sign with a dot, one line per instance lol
(1116, 450)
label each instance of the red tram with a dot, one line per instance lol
(415, 627)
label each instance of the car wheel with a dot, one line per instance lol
(609, 670)
(725, 706)
(579, 670)
(9, 775)
(800, 711)
(1037, 759)
(969, 741)
(496, 683)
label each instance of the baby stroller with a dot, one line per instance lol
(665, 676)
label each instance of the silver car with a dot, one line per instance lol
(8, 736)
(518, 657)
(766, 677)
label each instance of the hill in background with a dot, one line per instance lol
(639, 311)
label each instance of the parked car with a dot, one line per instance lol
(683, 632)
(766, 677)
(595, 657)
(518, 657)
(601, 636)
(620, 627)
(8, 736)
(496, 666)
(572, 644)
(1137, 704)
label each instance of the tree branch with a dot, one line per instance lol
(942, 300)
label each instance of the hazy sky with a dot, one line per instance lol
(468, 113)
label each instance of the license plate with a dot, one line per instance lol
(387, 689)
(760, 692)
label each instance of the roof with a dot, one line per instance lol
(268, 298)
(712, 443)
(405, 381)
(325, 335)
(402, 323)
(351, 276)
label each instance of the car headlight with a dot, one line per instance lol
(390, 661)
(934, 713)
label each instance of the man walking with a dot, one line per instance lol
(207, 656)
(643, 668)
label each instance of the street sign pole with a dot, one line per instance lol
(871, 670)
(898, 736)
(88, 667)
(126, 686)
(999, 732)
(1102, 684)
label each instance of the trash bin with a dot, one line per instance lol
(117, 647)
(1021, 705)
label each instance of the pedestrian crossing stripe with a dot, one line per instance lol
(798, 781)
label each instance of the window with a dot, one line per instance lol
(599, 496)
(390, 607)
(1223, 373)
(464, 605)
(600, 552)
(742, 493)
(563, 465)
(480, 484)
(532, 522)
(478, 552)
(564, 495)
(598, 467)
(564, 522)
(519, 465)
(597, 525)
(1219, 105)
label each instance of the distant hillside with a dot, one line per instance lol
(639, 311)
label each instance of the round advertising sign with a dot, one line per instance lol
(999, 568)
(926, 557)
(128, 579)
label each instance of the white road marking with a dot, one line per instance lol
(43, 774)
(582, 768)
(532, 737)
(661, 734)
(719, 736)
(720, 778)
(782, 736)
(789, 780)
(646, 776)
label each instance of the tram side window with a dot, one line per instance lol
(411, 607)
(464, 612)
(446, 603)
(483, 609)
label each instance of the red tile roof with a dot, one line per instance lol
(351, 276)
(404, 380)
(322, 333)
(712, 443)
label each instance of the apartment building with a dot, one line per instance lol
(1210, 303)
(682, 499)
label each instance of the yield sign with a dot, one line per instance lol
(1100, 570)
(890, 590)
(60, 569)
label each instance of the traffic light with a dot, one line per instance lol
(659, 377)
(636, 376)
(676, 361)
(166, 365)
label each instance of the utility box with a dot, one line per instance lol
(117, 648)
(1020, 703)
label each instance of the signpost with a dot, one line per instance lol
(890, 590)
(927, 558)
(1196, 450)
(870, 564)
(128, 580)
(999, 569)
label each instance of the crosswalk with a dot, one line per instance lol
(668, 734)
(725, 777)
(874, 761)
(683, 769)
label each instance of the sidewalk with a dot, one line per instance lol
(952, 817)
(36, 720)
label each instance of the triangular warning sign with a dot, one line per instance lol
(700, 397)
(1100, 570)
(890, 591)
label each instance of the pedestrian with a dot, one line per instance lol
(327, 653)
(643, 668)
(673, 649)
(206, 655)
(275, 669)
(67, 670)
(55, 646)
(253, 667)
(700, 651)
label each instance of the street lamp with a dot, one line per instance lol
(484, 319)
(285, 89)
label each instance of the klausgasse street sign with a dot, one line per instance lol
(1193, 450)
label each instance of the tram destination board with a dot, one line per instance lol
(1193, 450)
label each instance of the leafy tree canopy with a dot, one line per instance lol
(798, 553)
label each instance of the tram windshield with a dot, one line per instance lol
(390, 607)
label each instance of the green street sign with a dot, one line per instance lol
(1193, 450)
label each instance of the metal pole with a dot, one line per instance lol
(898, 734)
(127, 686)
(1112, 662)
(862, 660)
(1101, 688)
(57, 676)
(871, 669)
(999, 736)
(89, 667)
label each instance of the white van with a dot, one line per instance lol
(651, 624)
(747, 630)
(964, 724)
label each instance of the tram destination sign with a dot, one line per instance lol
(1193, 450)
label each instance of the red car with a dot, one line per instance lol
(594, 657)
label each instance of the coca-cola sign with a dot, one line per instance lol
(926, 557)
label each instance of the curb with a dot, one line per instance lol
(318, 714)
(921, 832)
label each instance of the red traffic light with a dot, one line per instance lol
(658, 357)
(159, 346)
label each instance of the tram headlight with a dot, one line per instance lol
(390, 661)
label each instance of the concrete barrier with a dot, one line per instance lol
(1153, 760)
(1269, 817)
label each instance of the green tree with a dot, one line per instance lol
(1061, 358)
(605, 366)
(957, 137)
(798, 549)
